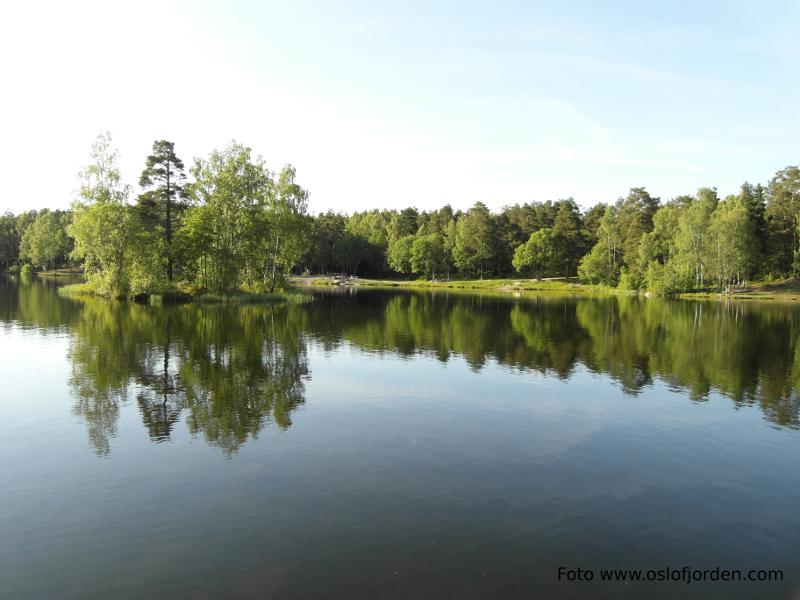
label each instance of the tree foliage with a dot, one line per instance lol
(602, 264)
(539, 255)
(475, 241)
(245, 226)
(427, 255)
(103, 227)
(399, 253)
(45, 242)
(162, 202)
(237, 224)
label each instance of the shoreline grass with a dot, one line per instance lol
(786, 290)
(65, 272)
(245, 297)
(516, 285)
(181, 296)
(783, 290)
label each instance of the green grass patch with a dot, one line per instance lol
(516, 285)
(65, 272)
(78, 289)
(178, 294)
(784, 290)
(244, 297)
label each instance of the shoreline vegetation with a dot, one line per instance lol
(787, 290)
(182, 295)
(228, 229)
(297, 289)
(511, 285)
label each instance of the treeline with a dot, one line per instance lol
(38, 238)
(638, 242)
(232, 223)
(446, 243)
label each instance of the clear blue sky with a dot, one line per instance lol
(389, 104)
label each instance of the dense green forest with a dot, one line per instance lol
(231, 223)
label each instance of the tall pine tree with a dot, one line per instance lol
(162, 204)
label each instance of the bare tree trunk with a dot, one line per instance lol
(274, 263)
(169, 229)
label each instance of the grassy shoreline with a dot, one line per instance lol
(787, 290)
(784, 290)
(516, 285)
(178, 296)
(65, 272)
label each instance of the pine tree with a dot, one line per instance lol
(782, 212)
(163, 204)
(567, 236)
(754, 200)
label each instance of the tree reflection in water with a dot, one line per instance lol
(228, 371)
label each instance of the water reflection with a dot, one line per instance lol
(229, 371)
(746, 351)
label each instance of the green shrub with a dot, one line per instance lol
(662, 280)
(629, 281)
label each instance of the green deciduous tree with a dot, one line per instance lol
(475, 241)
(325, 240)
(657, 252)
(45, 241)
(539, 255)
(691, 238)
(221, 237)
(427, 254)
(102, 224)
(368, 235)
(449, 243)
(731, 243)
(602, 264)
(634, 219)
(9, 240)
(286, 225)
(399, 253)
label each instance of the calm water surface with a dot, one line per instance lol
(394, 445)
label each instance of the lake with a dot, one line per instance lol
(378, 444)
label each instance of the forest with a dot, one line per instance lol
(230, 223)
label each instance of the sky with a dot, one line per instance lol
(416, 103)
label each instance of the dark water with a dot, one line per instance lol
(394, 445)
